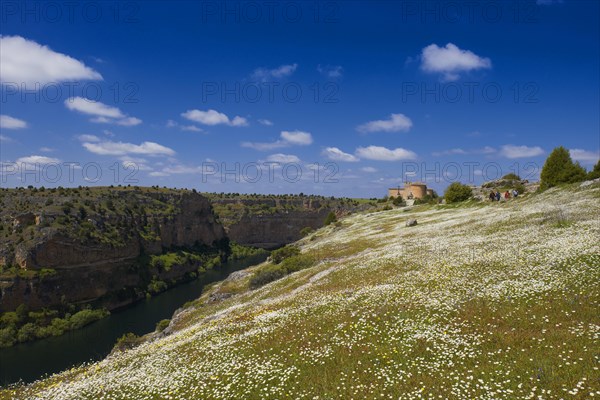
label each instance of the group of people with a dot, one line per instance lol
(496, 195)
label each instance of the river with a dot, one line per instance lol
(31, 361)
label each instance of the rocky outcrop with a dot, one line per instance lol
(274, 230)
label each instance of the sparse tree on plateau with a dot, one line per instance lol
(559, 168)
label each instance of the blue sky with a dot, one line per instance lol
(342, 98)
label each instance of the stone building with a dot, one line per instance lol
(414, 190)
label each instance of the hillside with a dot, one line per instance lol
(477, 301)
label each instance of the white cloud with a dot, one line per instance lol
(88, 138)
(396, 123)
(450, 61)
(120, 148)
(213, 117)
(331, 71)
(37, 160)
(510, 151)
(264, 74)
(459, 151)
(26, 62)
(384, 154)
(283, 158)
(297, 137)
(288, 138)
(369, 169)
(265, 122)
(5, 139)
(8, 122)
(158, 174)
(584, 155)
(189, 128)
(335, 154)
(103, 113)
(456, 151)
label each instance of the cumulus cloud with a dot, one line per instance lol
(37, 160)
(584, 156)
(213, 117)
(8, 122)
(456, 151)
(396, 123)
(26, 62)
(283, 158)
(106, 148)
(369, 169)
(287, 139)
(102, 113)
(451, 61)
(283, 71)
(335, 154)
(380, 153)
(331, 71)
(510, 151)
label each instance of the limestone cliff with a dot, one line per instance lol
(83, 245)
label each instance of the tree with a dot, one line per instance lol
(457, 192)
(595, 173)
(330, 219)
(559, 168)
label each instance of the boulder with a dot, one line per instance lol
(411, 222)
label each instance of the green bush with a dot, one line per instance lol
(331, 218)
(281, 254)
(511, 177)
(162, 325)
(8, 336)
(127, 341)
(306, 231)
(157, 286)
(559, 168)
(398, 201)
(27, 332)
(457, 192)
(86, 317)
(273, 272)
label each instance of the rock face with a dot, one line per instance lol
(59, 265)
(274, 230)
(270, 222)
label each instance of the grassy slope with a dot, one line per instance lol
(492, 302)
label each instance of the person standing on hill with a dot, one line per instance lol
(492, 196)
(515, 193)
(507, 195)
(498, 195)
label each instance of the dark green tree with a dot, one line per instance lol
(457, 192)
(594, 173)
(560, 168)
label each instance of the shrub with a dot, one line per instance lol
(8, 336)
(306, 231)
(511, 177)
(331, 218)
(273, 272)
(398, 201)
(27, 332)
(86, 317)
(559, 168)
(457, 192)
(157, 286)
(281, 254)
(127, 341)
(162, 325)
